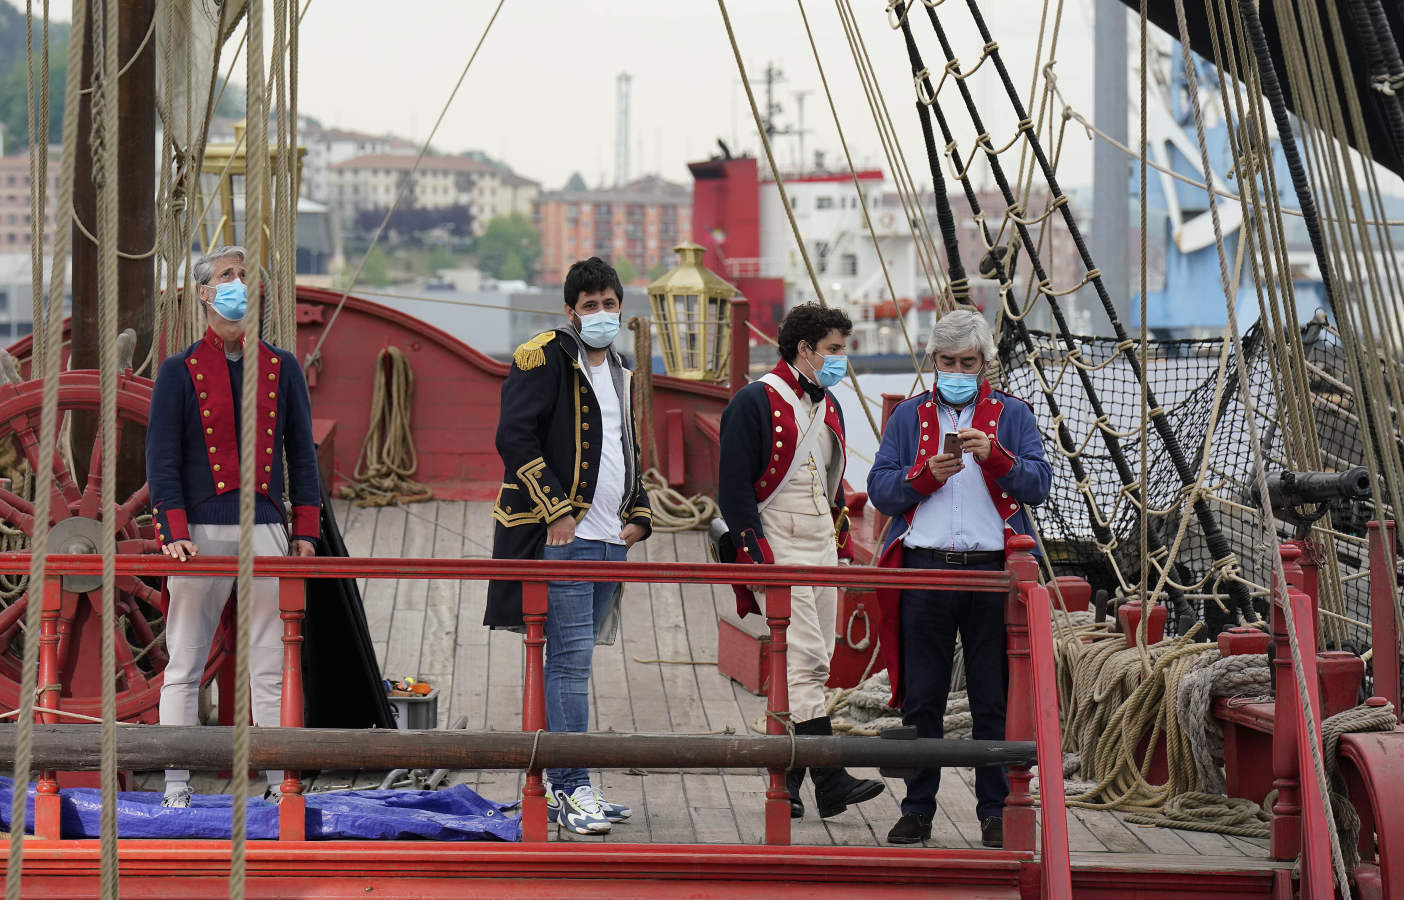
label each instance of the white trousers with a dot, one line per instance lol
(196, 607)
(805, 540)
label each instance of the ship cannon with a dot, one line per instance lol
(1300, 498)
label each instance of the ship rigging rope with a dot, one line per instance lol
(405, 185)
(256, 190)
(1093, 131)
(38, 165)
(784, 194)
(103, 138)
(1012, 313)
(907, 191)
(52, 322)
(1259, 462)
(1377, 388)
(862, 197)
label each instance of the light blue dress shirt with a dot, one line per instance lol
(960, 515)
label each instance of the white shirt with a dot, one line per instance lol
(960, 515)
(601, 522)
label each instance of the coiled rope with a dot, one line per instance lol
(674, 512)
(388, 457)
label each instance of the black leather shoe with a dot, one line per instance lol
(835, 790)
(910, 829)
(992, 833)
(794, 778)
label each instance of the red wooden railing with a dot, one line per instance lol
(1032, 705)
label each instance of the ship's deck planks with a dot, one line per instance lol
(433, 630)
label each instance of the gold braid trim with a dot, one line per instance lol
(548, 505)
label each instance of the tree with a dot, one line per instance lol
(441, 258)
(376, 271)
(13, 92)
(512, 268)
(575, 182)
(627, 270)
(504, 238)
(658, 271)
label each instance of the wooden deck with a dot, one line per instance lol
(433, 631)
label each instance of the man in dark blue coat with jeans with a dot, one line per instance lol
(954, 471)
(571, 490)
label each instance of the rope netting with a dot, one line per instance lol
(1184, 375)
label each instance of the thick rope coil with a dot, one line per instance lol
(1230, 676)
(674, 512)
(388, 458)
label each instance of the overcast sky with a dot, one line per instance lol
(541, 95)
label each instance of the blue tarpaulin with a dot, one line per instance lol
(453, 814)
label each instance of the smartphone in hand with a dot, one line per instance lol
(951, 444)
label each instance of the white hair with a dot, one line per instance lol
(961, 329)
(203, 270)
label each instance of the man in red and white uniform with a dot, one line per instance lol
(780, 489)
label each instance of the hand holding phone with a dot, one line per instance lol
(951, 444)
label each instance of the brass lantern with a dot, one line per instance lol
(222, 173)
(692, 315)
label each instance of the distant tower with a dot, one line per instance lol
(621, 129)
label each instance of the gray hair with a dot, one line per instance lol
(961, 329)
(204, 266)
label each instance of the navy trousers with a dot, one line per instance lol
(930, 622)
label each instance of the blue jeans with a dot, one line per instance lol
(574, 613)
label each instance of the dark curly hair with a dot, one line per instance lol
(810, 323)
(591, 276)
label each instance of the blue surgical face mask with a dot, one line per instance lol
(599, 328)
(231, 300)
(832, 371)
(957, 387)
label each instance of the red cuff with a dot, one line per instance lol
(921, 479)
(1000, 462)
(177, 529)
(307, 520)
(761, 547)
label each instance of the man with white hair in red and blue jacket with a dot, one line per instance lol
(955, 470)
(192, 466)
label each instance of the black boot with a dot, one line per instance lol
(793, 779)
(835, 789)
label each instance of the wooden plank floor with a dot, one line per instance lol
(659, 676)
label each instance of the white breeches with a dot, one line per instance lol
(806, 540)
(196, 607)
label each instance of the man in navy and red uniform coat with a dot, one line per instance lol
(953, 511)
(780, 489)
(192, 467)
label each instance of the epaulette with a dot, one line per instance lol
(532, 354)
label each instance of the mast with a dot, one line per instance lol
(1111, 217)
(136, 223)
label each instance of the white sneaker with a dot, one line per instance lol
(178, 798)
(615, 812)
(578, 811)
